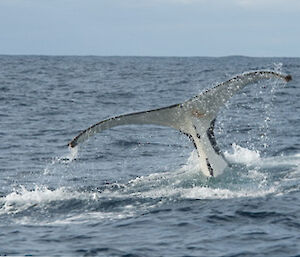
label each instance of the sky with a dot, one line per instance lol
(263, 28)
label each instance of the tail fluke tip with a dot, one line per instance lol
(288, 78)
(71, 144)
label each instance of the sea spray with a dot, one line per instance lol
(242, 155)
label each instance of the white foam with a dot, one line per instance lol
(223, 193)
(242, 155)
(167, 186)
(179, 184)
(205, 192)
(86, 217)
(22, 199)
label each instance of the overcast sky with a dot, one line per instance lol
(151, 27)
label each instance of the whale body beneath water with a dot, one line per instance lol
(194, 117)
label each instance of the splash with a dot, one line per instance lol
(243, 155)
(269, 118)
(64, 159)
(145, 193)
(71, 156)
(242, 181)
(21, 198)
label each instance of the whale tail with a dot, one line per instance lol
(195, 118)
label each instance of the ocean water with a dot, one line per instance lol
(137, 190)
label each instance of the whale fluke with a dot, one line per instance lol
(194, 117)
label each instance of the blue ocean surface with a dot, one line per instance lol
(137, 190)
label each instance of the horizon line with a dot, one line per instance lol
(148, 56)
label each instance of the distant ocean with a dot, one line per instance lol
(137, 190)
